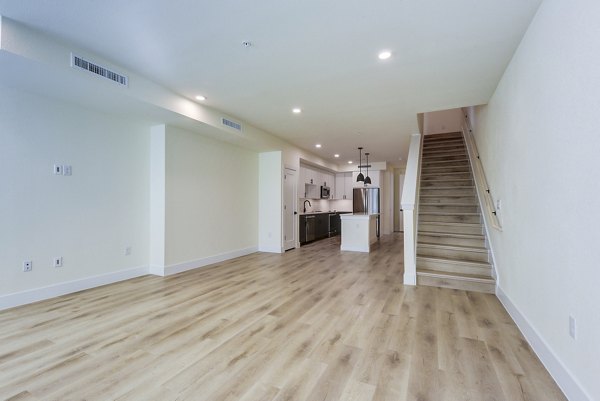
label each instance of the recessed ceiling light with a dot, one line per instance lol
(336, 155)
(349, 161)
(200, 97)
(384, 55)
(318, 145)
(297, 110)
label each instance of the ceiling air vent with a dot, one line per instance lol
(78, 62)
(231, 124)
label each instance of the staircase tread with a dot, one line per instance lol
(438, 170)
(443, 223)
(452, 141)
(452, 235)
(449, 161)
(452, 247)
(444, 204)
(453, 187)
(457, 276)
(450, 179)
(451, 213)
(454, 261)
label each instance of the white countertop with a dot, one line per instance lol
(324, 212)
(359, 216)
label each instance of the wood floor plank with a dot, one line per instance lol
(312, 324)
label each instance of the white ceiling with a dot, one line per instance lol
(314, 54)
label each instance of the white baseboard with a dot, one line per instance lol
(271, 249)
(55, 290)
(194, 264)
(559, 372)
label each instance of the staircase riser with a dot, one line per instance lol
(458, 229)
(449, 199)
(456, 284)
(448, 218)
(441, 266)
(444, 135)
(460, 150)
(446, 183)
(440, 138)
(449, 209)
(445, 176)
(443, 145)
(433, 239)
(453, 254)
(430, 158)
(451, 192)
(445, 169)
(446, 163)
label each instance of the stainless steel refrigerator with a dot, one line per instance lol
(366, 200)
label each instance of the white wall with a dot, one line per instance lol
(539, 142)
(88, 218)
(270, 193)
(439, 122)
(211, 198)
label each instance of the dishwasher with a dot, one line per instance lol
(309, 227)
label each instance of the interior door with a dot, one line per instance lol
(289, 208)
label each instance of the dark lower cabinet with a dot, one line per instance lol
(302, 229)
(322, 226)
(318, 226)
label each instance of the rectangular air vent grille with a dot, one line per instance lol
(232, 124)
(79, 62)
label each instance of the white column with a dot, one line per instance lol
(409, 202)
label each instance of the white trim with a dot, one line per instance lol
(271, 249)
(194, 264)
(567, 382)
(156, 270)
(68, 287)
(410, 279)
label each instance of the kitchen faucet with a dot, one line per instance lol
(305, 205)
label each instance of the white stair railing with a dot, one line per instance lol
(410, 207)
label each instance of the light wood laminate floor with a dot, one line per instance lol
(313, 324)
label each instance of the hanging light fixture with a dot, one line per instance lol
(360, 177)
(367, 178)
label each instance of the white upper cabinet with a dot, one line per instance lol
(339, 186)
(343, 186)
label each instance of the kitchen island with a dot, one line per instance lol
(318, 225)
(359, 232)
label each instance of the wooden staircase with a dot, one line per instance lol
(451, 245)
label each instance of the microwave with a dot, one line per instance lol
(325, 192)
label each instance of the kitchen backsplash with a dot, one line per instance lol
(324, 205)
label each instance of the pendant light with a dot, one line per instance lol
(360, 177)
(367, 178)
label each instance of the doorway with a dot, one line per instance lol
(289, 209)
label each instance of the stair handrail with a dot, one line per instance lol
(410, 207)
(481, 185)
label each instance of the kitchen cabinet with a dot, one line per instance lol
(328, 180)
(311, 179)
(339, 187)
(343, 186)
(322, 226)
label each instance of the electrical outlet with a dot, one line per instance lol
(498, 204)
(27, 266)
(67, 170)
(58, 261)
(58, 169)
(572, 327)
(127, 251)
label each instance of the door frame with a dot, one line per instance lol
(290, 243)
